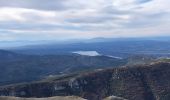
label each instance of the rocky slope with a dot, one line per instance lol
(146, 82)
(50, 98)
(58, 98)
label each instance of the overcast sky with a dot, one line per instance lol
(69, 19)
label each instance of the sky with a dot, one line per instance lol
(81, 19)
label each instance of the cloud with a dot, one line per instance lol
(34, 4)
(143, 1)
(64, 19)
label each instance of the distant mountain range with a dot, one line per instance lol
(121, 47)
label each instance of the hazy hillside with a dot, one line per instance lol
(9, 56)
(22, 68)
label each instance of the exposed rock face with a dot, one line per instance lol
(114, 98)
(148, 82)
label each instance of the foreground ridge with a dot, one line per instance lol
(50, 98)
(58, 98)
(145, 82)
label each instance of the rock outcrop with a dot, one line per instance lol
(146, 82)
(114, 98)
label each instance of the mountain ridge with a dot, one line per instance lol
(145, 82)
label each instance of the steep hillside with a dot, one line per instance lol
(146, 82)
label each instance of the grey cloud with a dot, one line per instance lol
(6, 26)
(67, 18)
(110, 9)
(146, 20)
(143, 1)
(100, 17)
(35, 4)
(90, 19)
